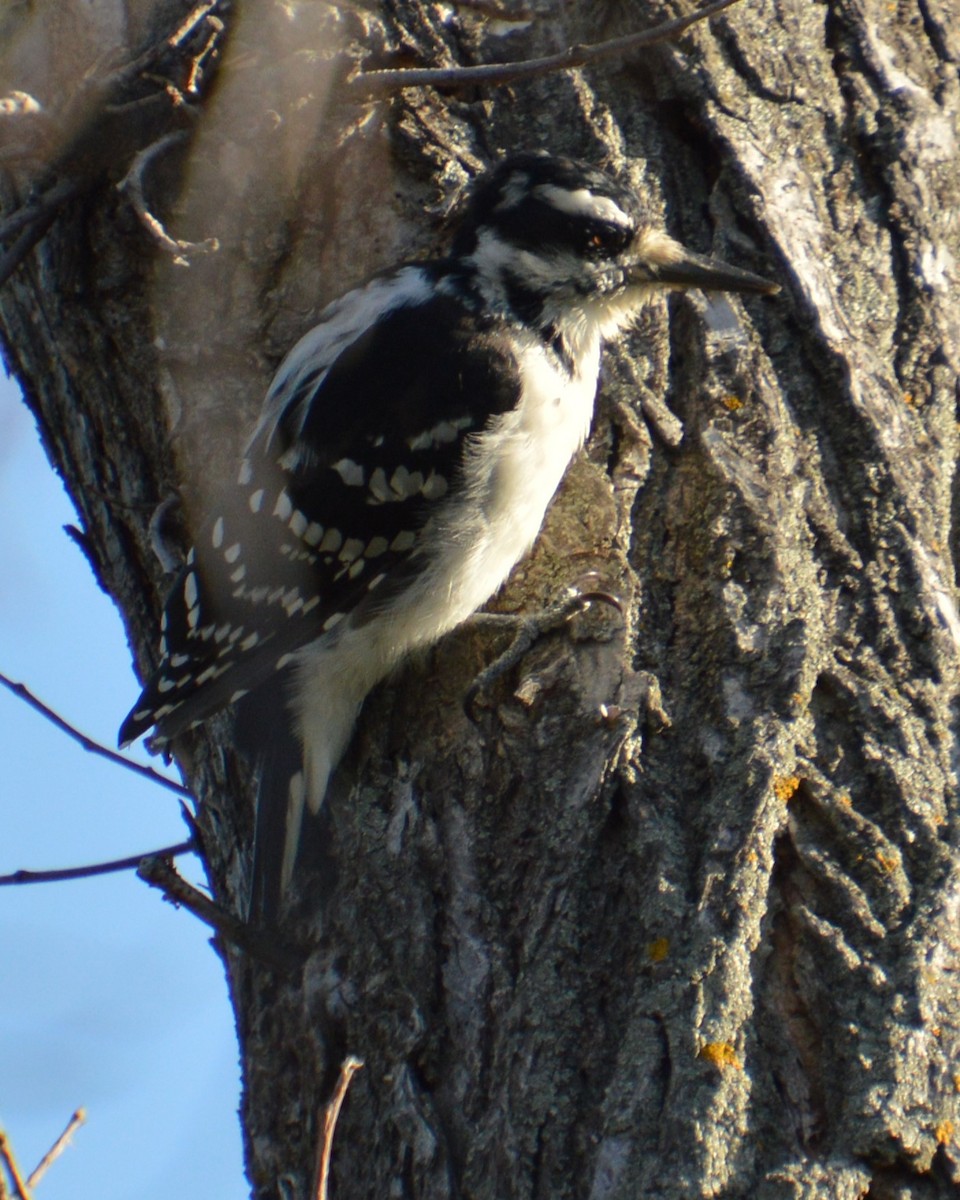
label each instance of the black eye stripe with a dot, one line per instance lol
(537, 224)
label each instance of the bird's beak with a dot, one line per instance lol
(667, 263)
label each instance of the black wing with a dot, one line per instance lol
(331, 499)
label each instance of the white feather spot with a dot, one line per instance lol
(283, 507)
(440, 434)
(313, 534)
(333, 619)
(379, 486)
(403, 541)
(298, 523)
(435, 486)
(238, 574)
(256, 500)
(352, 548)
(375, 547)
(248, 643)
(350, 472)
(332, 541)
(217, 536)
(311, 604)
(166, 685)
(190, 590)
(399, 480)
(246, 473)
(357, 568)
(232, 553)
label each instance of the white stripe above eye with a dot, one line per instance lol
(583, 202)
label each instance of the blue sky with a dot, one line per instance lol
(110, 998)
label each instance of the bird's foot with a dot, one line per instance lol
(527, 629)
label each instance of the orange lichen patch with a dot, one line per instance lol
(944, 1132)
(658, 950)
(956, 1083)
(732, 403)
(784, 787)
(887, 862)
(721, 1054)
(844, 799)
(910, 399)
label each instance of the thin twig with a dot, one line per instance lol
(23, 692)
(12, 258)
(57, 1148)
(192, 85)
(350, 1066)
(191, 22)
(132, 184)
(9, 1160)
(159, 872)
(51, 201)
(496, 74)
(62, 874)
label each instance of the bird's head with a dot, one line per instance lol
(548, 235)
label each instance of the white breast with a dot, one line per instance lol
(511, 473)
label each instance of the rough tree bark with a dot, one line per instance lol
(676, 915)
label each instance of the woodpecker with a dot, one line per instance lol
(405, 456)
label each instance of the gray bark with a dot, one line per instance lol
(676, 915)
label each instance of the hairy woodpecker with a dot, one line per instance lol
(406, 453)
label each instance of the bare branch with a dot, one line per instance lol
(351, 1064)
(23, 693)
(132, 184)
(57, 1148)
(372, 83)
(9, 1160)
(159, 872)
(36, 217)
(51, 201)
(62, 874)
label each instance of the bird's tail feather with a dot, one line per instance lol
(266, 734)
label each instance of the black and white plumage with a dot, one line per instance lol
(407, 451)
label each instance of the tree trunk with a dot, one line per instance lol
(675, 914)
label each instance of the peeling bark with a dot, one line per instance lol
(676, 914)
